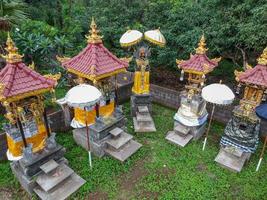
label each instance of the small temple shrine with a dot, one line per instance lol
(241, 134)
(141, 100)
(97, 66)
(190, 119)
(32, 148)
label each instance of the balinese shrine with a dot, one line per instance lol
(32, 148)
(241, 134)
(96, 65)
(141, 100)
(190, 119)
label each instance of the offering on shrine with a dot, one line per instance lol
(32, 147)
(241, 134)
(141, 106)
(190, 119)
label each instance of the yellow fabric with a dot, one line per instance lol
(104, 111)
(137, 88)
(38, 142)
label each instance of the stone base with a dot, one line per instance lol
(177, 139)
(195, 131)
(140, 127)
(125, 152)
(232, 160)
(28, 183)
(140, 100)
(108, 137)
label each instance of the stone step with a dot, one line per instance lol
(141, 127)
(125, 152)
(174, 138)
(231, 161)
(49, 166)
(116, 132)
(143, 118)
(62, 190)
(143, 109)
(117, 143)
(180, 129)
(49, 181)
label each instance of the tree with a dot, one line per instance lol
(12, 13)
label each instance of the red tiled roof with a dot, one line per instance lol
(198, 62)
(95, 60)
(256, 75)
(19, 79)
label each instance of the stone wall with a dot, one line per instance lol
(170, 98)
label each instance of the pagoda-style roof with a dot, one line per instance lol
(198, 63)
(95, 61)
(257, 75)
(18, 81)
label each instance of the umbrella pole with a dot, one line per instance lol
(116, 91)
(88, 138)
(208, 130)
(262, 153)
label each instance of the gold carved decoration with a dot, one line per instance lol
(12, 51)
(2, 88)
(216, 59)
(248, 66)
(62, 59)
(94, 38)
(32, 65)
(54, 77)
(262, 60)
(201, 46)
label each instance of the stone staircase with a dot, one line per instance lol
(232, 158)
(180, 135)
(56, 181)
(121, 144)
(143, 122)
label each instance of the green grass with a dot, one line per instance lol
(159, 169)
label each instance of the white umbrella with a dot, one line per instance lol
(216, 94)
(84, 96)
(155, 37)
(131, 37)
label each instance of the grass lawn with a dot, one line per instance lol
(159, 170)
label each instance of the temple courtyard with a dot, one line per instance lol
(159, 170)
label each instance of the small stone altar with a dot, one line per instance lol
(108, 136)
(241, 135)
(141, 107)
(37, 160)
(190, 119)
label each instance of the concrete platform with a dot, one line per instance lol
(230, 161)
(179, 140)
(144, 127)
(117, 143)
(62, 191)
(125, 152)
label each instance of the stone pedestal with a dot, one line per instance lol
(46, 173)
(239, 141)
(189, 121)
(108, 136)
(232, 158)
(141, 109)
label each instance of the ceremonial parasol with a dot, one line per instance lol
(155, 37)
(216, 94)
(131, 37)
(84, 96)
(261, 111)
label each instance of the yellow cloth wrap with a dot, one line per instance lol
(137, 88)
(104, 111)
(38, 142)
